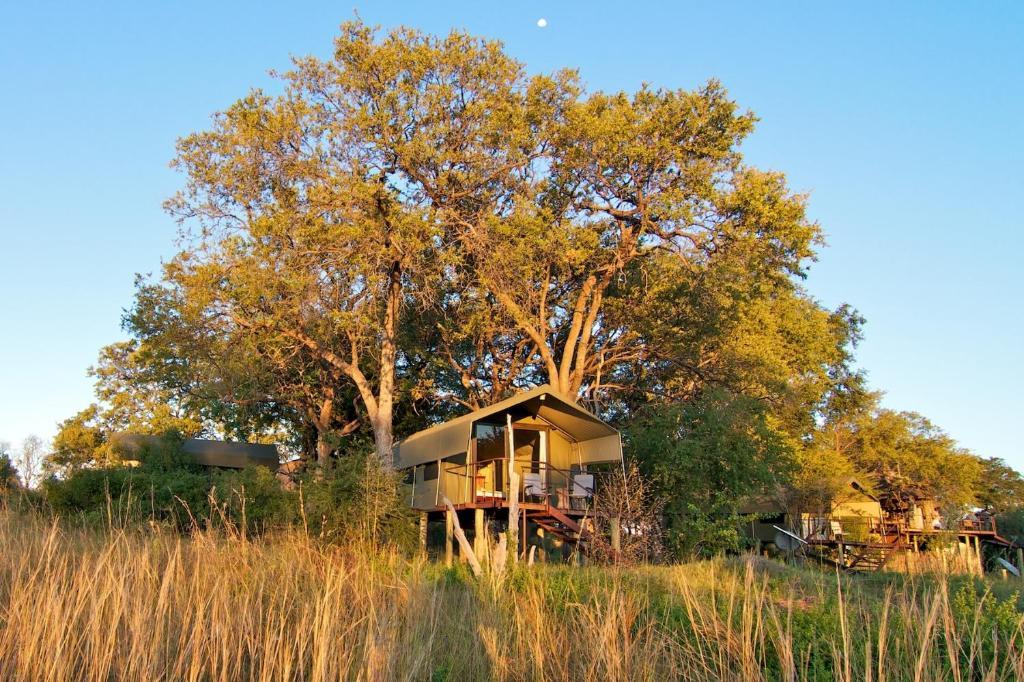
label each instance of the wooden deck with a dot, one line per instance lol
(501, 503)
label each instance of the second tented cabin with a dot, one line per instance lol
(854, 513)
(556, 448)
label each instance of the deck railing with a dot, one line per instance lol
(539, 483)
(866, 528)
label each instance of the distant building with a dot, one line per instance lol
(209, 453)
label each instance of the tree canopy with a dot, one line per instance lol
(419, 225)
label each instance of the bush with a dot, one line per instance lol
(350, 498)
(166, 487)
(354, 497)
(702, 459)
(253, 499)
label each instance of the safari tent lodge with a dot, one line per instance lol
(539, 451)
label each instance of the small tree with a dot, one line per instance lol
(30, 460)
(627, 498)
(705, 458)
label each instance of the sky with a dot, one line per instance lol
(902, 121)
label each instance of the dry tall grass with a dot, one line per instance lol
(151, 605)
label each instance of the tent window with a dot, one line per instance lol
(528, 448)
(430, 471)
(490, 441)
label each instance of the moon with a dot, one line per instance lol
(542, 22)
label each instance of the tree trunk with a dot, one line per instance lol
(323, 448)
(384, 441)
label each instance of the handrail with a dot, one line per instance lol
(470, 472)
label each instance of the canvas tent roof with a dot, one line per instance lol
(598, 441)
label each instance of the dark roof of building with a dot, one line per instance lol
(212, 453)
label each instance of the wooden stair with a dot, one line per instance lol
(869, 556)
(561, 525)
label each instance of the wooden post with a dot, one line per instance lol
(842, 554)
(449, 536)
(1020, 561)
(513, 514)
(524, 532)
(513, 493)
(479, 536)
(423, 532)
(616, 538)
(981, 557)
(465, 549)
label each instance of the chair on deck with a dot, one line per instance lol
(582, 491)
(533, 487)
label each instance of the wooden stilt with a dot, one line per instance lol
(524, 532)
(616, 538)
(1020, 561)
(479, 534)
(513, 491)
(424, 518)
(449, 537)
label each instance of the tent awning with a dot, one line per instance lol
(598, 441)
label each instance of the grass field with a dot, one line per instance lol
(146, 604)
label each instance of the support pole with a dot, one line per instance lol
(1020, 561)
(449, 536)
(524, 532)
(424, 518)
(479, 534)
(513, 492)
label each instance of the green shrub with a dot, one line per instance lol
(352, 498)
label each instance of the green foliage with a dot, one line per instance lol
(1000, 488)
(354, 497)
(350, 498)
(1011, 525)
(253, 499)
(988, 622)
(8, 474)
(904, 456)
(166, 487)
(79, 441)
(705, 458)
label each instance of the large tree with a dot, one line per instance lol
(902, 455)
(1000, 488)
(308, 229)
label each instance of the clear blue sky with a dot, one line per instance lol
(903, 120)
